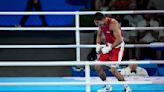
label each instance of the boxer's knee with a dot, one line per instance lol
(98, 68)
(114, 70)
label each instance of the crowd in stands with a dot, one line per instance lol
(108, 5)
(136, 20)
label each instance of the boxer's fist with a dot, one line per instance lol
(106, 49)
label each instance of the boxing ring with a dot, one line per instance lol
(49, 84)
(74, 84)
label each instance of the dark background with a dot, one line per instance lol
(38, 38)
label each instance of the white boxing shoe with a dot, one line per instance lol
(105, 89)
(127, 89)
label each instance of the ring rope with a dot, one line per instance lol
(74, 28)
(159, 44)
(75, 83)
(83, 12)
(75, 63)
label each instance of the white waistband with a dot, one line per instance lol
(122, 44)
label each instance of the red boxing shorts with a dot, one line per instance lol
(114, 55)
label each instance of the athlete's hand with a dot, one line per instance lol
(98, 48)
(106, 49)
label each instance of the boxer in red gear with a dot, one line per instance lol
(112, 51)
(111, 39)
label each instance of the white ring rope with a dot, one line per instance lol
(75, 83)
(78, 46)
(74, 63)
(74, 28)
(84, 12)
(123, 12)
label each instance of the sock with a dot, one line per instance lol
(107, 85)
(126, 85)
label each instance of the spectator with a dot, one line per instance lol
(110, 5)
(97, 5)
(101, 5)
(133, 5)
(130, 36)
(161, 35)
(133, 19)
(142, 4)
(122, 4)
(150, 35)
(134, 70)
(30, 4)
(160, 51)
(156, 4)
(105, 5)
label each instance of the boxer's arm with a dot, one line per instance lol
(117, 33)
(98, 39)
